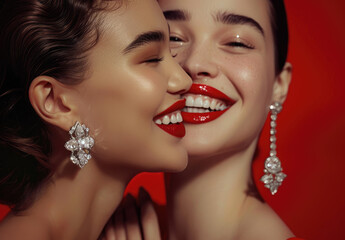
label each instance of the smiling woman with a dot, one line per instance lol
(235, 52)
(89, 96)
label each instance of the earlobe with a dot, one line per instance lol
(281, 84)
(49, 99)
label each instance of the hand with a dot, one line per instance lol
(149, 218)
(125, 225)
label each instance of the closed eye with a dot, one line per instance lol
(154, 60)
(239, 45)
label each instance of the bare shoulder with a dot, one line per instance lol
(16, 227)
(259, 221)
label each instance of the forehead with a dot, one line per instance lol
(131, 19)
(258, 10)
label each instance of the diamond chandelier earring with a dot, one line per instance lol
(79, 144)
(274, 176)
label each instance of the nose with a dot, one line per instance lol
(199, 62)
(179, 81)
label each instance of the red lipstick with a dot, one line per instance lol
(198, 118)
(210, 91)
(176, 106)
(175, 129)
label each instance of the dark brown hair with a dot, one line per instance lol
(280, 33)
(38, 37)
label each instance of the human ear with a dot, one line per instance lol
(281, 84)
(52, 102)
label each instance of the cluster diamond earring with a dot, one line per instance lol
(79, 144)
(274, 176)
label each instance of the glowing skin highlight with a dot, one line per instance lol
(133, 78)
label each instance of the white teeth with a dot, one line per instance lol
(206, 103)
(195, 110)
(170, 118)
(179, 117)
(201, 101)
(218, 106)
(190, 101)
(203, 104)
(198, 102)
(166, 120)
(213, 104)
(173, 119)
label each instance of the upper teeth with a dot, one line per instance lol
(170, 118)
(205, 102)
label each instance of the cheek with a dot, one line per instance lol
(252, 78)
(253, 82)
(120, 109)
(127, 92)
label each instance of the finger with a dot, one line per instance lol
(109, 231)
(149, 218)
(131, 219)
(118, 223)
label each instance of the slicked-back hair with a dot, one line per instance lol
(37, 37)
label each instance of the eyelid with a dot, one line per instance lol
(153, 59)
(239, 40)
(179, 40)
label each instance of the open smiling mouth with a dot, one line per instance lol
(205, 104)
(170, 120)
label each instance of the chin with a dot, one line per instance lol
(201, 146)
(176, 162)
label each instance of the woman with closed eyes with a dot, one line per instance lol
(89, 97)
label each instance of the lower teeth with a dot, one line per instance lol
(198, 110)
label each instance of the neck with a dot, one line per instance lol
(78, 203)
(207, 199)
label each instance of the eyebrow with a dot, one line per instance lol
(177, 15)
(230, 18)
(143, 39)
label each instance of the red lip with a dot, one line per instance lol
(176, 106)
(176, 129)
(211, 92)
(198, 118)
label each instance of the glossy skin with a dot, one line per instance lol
(126, 90)
(236, 59)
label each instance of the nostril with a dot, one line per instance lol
(203, 74)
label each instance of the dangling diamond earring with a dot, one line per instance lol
(274, 176)
(80, 144)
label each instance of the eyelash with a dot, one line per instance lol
(154, 60)
(175, 39)
(239, 45)
(231, 44)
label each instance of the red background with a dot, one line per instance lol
(311, 128)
